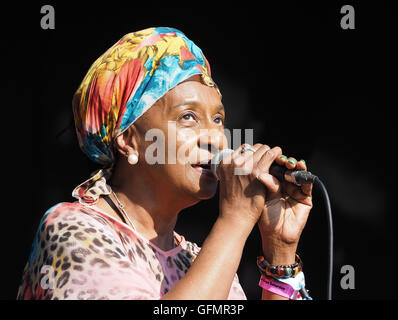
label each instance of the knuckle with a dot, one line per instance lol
(270, 153)
(241, 171)
(265, 147)
(237, 162)
(278, 149)
(254, 174)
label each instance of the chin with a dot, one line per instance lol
(191, 195)
(195, 185)
(202, 183)
(202, 190)
(206, 194)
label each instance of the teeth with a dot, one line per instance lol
(204, 168)
(203, 165)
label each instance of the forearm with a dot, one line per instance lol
(212, 272)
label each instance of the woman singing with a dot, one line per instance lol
(117, 241)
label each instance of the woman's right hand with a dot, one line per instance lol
(242, 196)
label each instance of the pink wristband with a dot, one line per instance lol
(277, 287)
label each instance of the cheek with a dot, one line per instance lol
(185, 142)
(224, 141)
(168, 150)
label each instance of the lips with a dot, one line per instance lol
(203, 168)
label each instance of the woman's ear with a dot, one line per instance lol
(126, 143)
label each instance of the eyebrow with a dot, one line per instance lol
(219, 108)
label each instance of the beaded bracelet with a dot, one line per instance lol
(282, 272)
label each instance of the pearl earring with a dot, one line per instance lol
(132, 158)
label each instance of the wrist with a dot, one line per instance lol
(234, 226)
(277, 253)
(280, 258)
(232, 218)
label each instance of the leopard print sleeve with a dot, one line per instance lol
(79, 255)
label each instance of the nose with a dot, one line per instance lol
(212, 140)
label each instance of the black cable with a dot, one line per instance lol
(319, 183)
(114, 207)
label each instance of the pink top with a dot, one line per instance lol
(80, 252)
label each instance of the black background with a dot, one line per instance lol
(288, 71)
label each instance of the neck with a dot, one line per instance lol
(151, 208)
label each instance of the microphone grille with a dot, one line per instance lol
(218, 157)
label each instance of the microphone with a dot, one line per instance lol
(297, 177)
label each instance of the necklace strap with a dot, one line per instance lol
(124, 216)
(114, 207)
(122, 213)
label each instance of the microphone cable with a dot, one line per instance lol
(325, 195)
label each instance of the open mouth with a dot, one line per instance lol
(203, 168)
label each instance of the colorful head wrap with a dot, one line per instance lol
(127, 80)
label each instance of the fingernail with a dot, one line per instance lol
(292, 161)
(282, 157)
(302, 160)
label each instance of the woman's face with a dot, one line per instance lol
(191, 117)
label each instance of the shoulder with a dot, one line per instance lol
(76, 248)
(66, 226)
(67, 214)
(191, 247)
(69, 224)
(187, 255)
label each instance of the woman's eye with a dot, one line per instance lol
(188, 116)
(219, 120)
